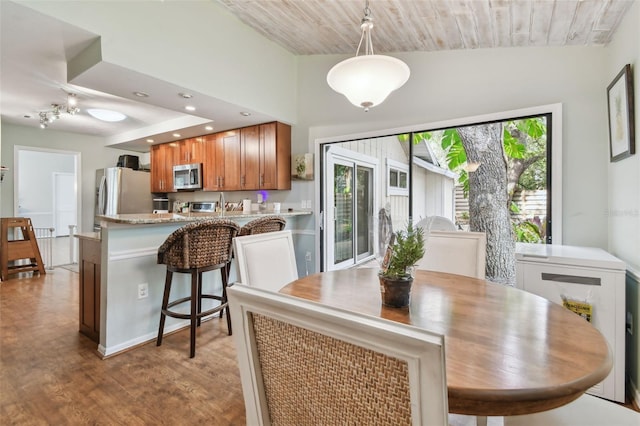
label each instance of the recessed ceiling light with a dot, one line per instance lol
(208, 128)
(190, 108)
(176, 135)
(185, 95)
(141, 94)
(106, 114)
(245, 113)
(150, 140)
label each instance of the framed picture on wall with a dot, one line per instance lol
(621, 115)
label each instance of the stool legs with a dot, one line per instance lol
(165, 302)
(196, 305)
(195, 309)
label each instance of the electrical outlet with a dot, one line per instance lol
(308, 204)
(303, 204)
(307, 256)
(143, 290)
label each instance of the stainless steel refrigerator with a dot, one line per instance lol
(120, 190)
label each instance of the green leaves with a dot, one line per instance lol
(407, 250)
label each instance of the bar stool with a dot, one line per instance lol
(193, 249)
(262, 225)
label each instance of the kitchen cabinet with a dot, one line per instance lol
(89, 269)
(252, 158)
(582, 274)
(266, 157)
(163, 158)
(221, 167)
(192, 150)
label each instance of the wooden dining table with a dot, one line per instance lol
(508, 352)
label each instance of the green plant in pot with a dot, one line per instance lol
(405, 249)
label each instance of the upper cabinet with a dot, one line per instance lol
(266, 157)
(192, 150)
(251, 158)
(221, 167)
(163, 157)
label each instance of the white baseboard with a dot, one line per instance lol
(122, 347)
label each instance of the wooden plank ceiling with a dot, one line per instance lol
(309, 27)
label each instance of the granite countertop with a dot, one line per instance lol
(88, 236)
(157, 218)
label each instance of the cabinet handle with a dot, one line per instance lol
(242, 180)
(573, 279)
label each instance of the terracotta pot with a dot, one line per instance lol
(395, 292)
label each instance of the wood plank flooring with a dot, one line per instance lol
(51, 375)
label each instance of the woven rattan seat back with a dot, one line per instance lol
(303, 363)
(263, 224)
(199, 244)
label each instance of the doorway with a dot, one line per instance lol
(350, 190)
(46, 190)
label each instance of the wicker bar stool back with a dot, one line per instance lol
(263, 224)
(193, 249)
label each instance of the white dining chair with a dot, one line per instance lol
(266, 260)
(302, 362)
(587, 410)
(437, 223)
(462, 253)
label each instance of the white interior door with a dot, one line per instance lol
(64, 202)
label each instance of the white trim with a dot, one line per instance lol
(400, 168)
(149, 337)
(132, 254)
(433, 168)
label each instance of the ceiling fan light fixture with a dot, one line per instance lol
(367, 80)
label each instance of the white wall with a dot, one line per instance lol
(454, 84)
(93, 155)
(623, 211)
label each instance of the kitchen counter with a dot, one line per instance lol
(158, 218)
(92, 236)
(124, 316)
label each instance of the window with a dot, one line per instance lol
(397, 178)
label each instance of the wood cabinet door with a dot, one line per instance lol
(268, 160)
(228, 160)
(191, 150)
(250, 158)
(157, 168)
(210, 172)
(163, 157)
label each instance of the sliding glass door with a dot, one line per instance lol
(349, 199)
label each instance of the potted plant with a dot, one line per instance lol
(405, 248)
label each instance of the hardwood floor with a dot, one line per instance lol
(51, 374)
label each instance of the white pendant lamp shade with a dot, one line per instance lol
(367, 80)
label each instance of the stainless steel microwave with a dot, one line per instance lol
(187, 176)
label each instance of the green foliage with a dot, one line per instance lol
(408, 248)
(527, 232)
(512, 146)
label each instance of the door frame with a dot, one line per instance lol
(356, 158)
(77, 171)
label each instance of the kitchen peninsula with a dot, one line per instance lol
(131, 281)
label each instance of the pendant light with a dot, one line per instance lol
(368, 79)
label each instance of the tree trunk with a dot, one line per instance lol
(489, 198)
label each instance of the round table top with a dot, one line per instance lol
(508, 352)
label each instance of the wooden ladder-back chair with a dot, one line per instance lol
(305, 363)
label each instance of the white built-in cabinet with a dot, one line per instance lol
(582, 273)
